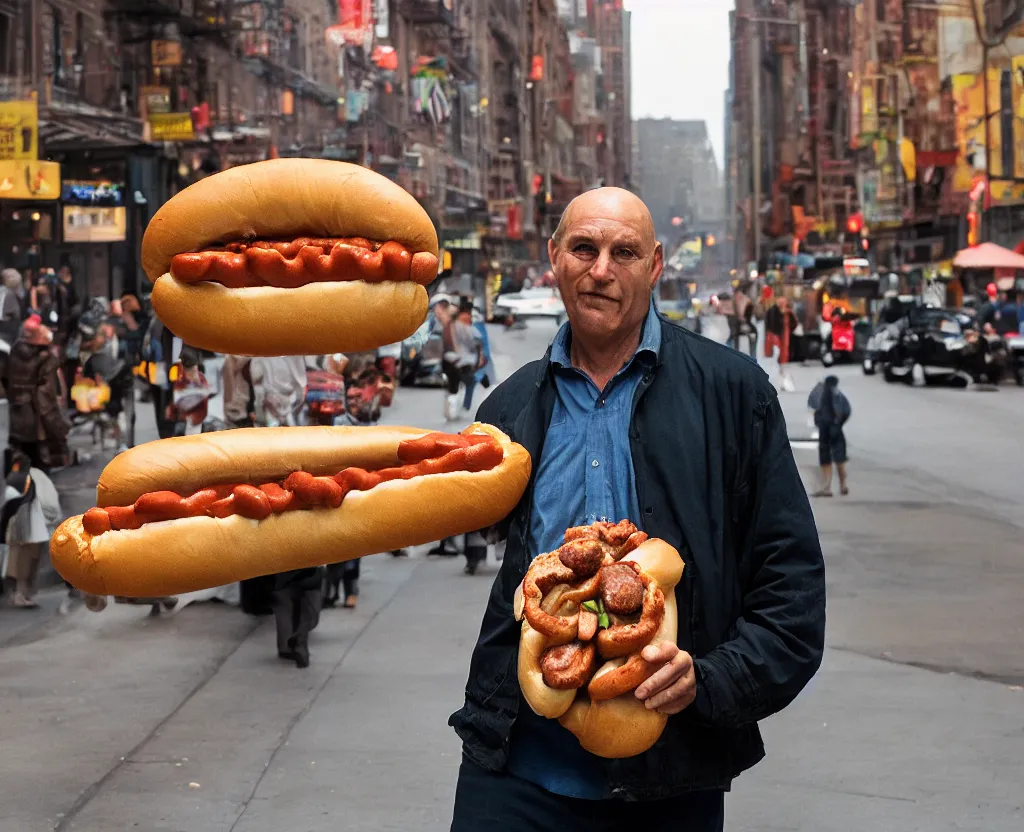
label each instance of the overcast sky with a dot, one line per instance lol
(681, 61)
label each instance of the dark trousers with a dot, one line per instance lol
(296, 612)
(161, 398)
(504, 803)
(456, 376)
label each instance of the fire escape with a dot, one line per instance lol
(830, 37)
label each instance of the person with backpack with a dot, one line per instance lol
(831, 412)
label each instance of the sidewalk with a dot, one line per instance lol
(223, 736)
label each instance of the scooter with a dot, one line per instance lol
(841, 344)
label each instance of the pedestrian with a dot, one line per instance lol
(279, 390)
(462, 357)
(779, 325)
(36, 395)
(239, 398)
(107, 365)
(743, 308)
(156, 350)
(10, 305)
(191, 395)
(831, 412)
(31, 514)
(486, 375)
(296, 600)
(628, 416)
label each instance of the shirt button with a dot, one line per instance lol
(595, 463)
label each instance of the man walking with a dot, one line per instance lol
(630, 417)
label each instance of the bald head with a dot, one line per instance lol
(609, 203)
(606, 259)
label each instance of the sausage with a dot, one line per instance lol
(621, 588)
(568, 666)
(305, 260)
(584, 557)
(623, 639)
(587, 625)
(300, 490)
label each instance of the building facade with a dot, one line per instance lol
(881, 128)
(493, 113)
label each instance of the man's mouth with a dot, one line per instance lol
(599, 297)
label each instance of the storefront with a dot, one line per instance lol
(29, 212)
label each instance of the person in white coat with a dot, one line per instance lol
(33, 512)
(279, 390)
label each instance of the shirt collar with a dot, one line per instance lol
(649, 347)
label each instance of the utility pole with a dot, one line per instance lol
(755, 136)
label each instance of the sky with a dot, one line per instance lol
(681, 61)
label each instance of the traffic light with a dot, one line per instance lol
(709, 240)
(855, 223)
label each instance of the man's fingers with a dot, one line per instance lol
(682, 694)
(677, 666)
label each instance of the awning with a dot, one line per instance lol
(74, 127)
(988, 256)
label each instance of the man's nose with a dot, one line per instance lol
(601, 270)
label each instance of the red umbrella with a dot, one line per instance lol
(988, 256)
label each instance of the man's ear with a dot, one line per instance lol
(658, 265)
(552, 252)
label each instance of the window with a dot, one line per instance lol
(6, 46)
(57, 44)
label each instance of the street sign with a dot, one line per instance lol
(29, 180)
(19, 130)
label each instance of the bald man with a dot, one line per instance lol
(630, 417)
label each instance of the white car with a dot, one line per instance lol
(532, 303)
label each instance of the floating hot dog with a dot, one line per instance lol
(195, 512)
(605, 594)
(291, 257)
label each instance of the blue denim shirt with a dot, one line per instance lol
(587, 442)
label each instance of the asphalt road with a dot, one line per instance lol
(916, 722)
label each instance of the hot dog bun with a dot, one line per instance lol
(283, 199)
(176, 556)
(623, 726)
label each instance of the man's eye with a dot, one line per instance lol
(626, 254)
(584, 248)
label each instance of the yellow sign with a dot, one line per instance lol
(29, 180)
(19, 130)
(969, 100)
(868, 108)
(171, 127)
(166, 53)
(94, 225)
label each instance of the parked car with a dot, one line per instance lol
(542, 302)
(929, 346)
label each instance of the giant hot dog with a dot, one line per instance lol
(195, 512)
(588, 610)
(291, 257)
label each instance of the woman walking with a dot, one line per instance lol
(831, 412)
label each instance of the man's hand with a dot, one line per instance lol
(673, 686)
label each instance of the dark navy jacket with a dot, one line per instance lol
(715, 477)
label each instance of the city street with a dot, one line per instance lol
(116, 721)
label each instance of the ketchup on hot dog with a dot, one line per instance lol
(436, 453)
(288, 265)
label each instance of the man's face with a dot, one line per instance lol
(65, 274)
(606, 265)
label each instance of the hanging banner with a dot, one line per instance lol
(381, 19)
(355, 23)
(19, 130)
(969, 100)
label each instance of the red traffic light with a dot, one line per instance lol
(855, 223)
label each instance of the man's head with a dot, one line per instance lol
(606, 260)
(65, 273)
